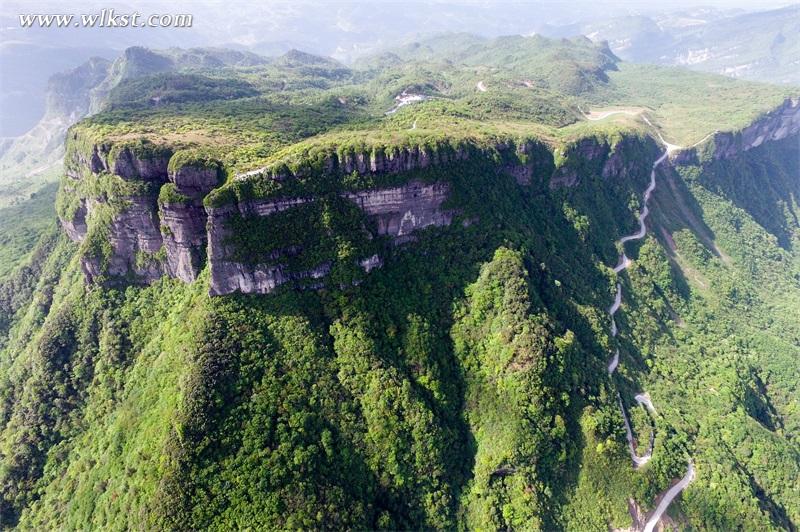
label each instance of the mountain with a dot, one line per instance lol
(27, 160)
(84, 90)
(26, 68)
(514, 284)
(760, 45)
(347, 31)
(31, 164)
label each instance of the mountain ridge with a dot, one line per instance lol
(430, 335)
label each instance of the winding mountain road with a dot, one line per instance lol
(638, 461)
(617, 301)
(668, 497)
(601, 115)
(612, 366)
(624, 262)
(614, 308)
(646, 208)
(642, 399)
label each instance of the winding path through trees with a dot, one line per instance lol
(643, 399)
(668, 497)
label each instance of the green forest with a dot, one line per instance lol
(464, 383)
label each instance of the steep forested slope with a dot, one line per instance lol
(272, 305)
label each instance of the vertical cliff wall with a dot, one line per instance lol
(138, 212)
(141, 211)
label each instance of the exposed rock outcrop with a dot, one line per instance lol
(397, 212)
(135, 242)
(183, 228)
(183, 220)
(196, 180)
(76, 227)
(147, 237)
(400, 211)
(370, 263)
(175, 234)
(597, 156)
(148, 164)
(404, 159)
(622, 162)
(409, 159)
(228, 277)
(779, 124)
(129, 165)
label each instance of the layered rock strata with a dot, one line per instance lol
(149, 234)
(397, 212)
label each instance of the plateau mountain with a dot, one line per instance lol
(514, 283)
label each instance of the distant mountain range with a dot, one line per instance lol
(755, 45)
(30, 160)
(470, 283)
(761, 46)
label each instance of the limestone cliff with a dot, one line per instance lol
(149, 219)
(397, 212)
(778, 124)
(598, 156)
(142, 211)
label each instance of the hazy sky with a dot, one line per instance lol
(324, 26)
(343, 29)
(13, 6)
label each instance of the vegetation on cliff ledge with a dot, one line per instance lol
(462, 385)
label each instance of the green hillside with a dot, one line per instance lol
(460, 379)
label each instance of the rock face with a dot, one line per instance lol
(174, 234)
(397, 212)
(183, 229)
(195, 180)
(135, 241)
(400, 211)
(76, 227)
(127, 164)
(777, 125)
(228, 276)
(183, 222)
(137, 250)
(412, 158)
(623, 160)
(405, 159)
(147, 237)
(160, 226)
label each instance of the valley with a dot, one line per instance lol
(642, 399)
(466, 283)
